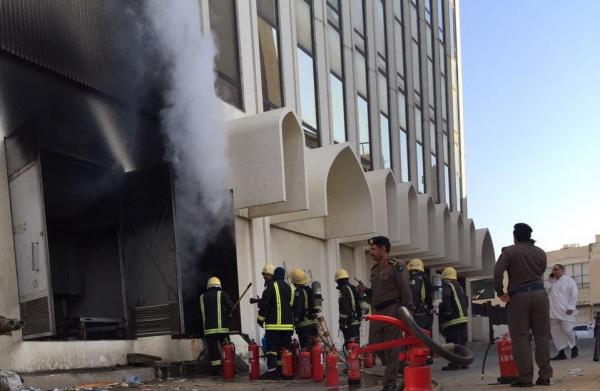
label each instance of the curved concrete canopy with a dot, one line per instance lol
(408, 217)
(469, 261)
(383, 188)
(267, 163)
(484, 250)
(455, 236)
(426, 233)
(340, 203)
(441, 244)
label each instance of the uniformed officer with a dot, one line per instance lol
(305, 320)
(215, 306)
(389, 290)
(527, 304)
(276, 316)
(420, 287)
(349, 307)
(453, 313)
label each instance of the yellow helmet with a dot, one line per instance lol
(268, 269)
(416, 264)
(213, 281)
(341, 273)
(298, 277)
(449, 273)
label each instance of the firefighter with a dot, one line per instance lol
(453, 313)
(305, 320)
(389, 290)
(420, 287)
(349, 307)
(215, 307)
(276, 316)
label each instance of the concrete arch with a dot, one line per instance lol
(384, 192)
(340, 202)
(469, 261)
(267, 163)
(408, 217)
(484, 251)
(441, 248)
(426, 221)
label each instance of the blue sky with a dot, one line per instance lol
(531, 90)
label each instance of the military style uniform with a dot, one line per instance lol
(389, 290)
(420, 287)
(528, 309)
(350, 312)
(305, 320)
(275, 314)
(214, 307)
(453, 315)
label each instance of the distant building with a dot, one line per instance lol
(582, 263)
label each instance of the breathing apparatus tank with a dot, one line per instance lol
(318, 297)
(436, 298)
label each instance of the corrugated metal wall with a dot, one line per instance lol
(79, 39)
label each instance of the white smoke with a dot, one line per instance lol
(191, 119)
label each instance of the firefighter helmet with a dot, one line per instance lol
(340, 274)
(268, 269)
(416, 264)
(212, 282)
(449, 273)
(298, 277)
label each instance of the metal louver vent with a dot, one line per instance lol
(36, 315)
(157, 320)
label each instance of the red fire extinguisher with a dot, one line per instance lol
(228, 360)
(332, 369)
(287, 365)
(508, 369)
(352, 345)
(368, 360)
(417, 375)
(353, 362)
(253, 363)
(304, 367)
(295, 351)
(316, 360)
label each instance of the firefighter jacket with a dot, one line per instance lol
(453, 309)
(349, 305)
(214, 307)
(304, 315)
(420, 287)
(275, 308)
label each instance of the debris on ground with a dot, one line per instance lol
(576, 372)
(10, 381)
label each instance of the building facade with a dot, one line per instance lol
(344, 121)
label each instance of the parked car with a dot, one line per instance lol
(584, 331)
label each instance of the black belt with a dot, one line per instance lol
(525, 289)
(385, 304)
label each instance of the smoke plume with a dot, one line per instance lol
(192, 122)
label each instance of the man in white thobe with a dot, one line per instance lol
(562, 294)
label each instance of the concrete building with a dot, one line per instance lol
(582, 263)
(344, 121)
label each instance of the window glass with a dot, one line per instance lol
(304, 25)
(360, 73)
(382, 89)
(447, 183)
(434, 174)
(402, 110)
(416, 66)
(458, 193)
(443, 93)
(440, 6)
(414, 22)
(308, 106)
(223, 24)
(418, 125)
(398, 8)
(399, 47)
(420, 170)
(380, 29)
(362, 108)
(334, 50)
(337, 109)
(430, 84)
(384, 127)
(432, 136)
(446, 147)
(404, 165)
(358, 17)
(268, 40)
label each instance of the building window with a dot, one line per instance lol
(458, 193)
(223, 24)
(362, 108)
(360, 78)
(420, 168)
(386, 151)
(404, 165)
(441, 13)
(270, 65)
(307, 73)
(447, 183)
(435, 191)
(336, 75)
(580, 273)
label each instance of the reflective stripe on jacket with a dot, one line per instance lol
(349, 306)
(276, 306)
(453, 309)
(304, 315)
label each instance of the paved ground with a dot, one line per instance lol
(581, 374)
